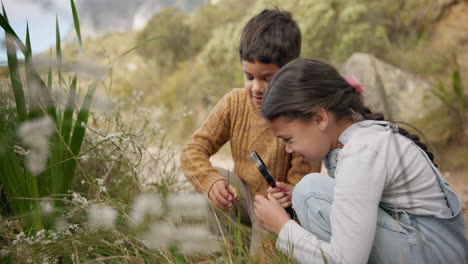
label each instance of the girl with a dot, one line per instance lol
(385, 200)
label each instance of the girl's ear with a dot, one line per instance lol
(322, 118)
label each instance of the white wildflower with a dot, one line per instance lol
(84, 158)
(35, 134)
(78, 199)
(146, 204)
(53, 236)
(73, 227)
(21, 151)
(160, 236)
(100, 183)
(46, 242)
(132, 66)
(195, 239)
(102, 217)
(40, 233)
(46, 207)
(4, 252)
(61, 224)
(187, 205)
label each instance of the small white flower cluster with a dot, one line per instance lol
(186, 112)
(35, 135)
(137, 94)
(84, 158)
(187, 205)
(21, 151)
(22, 246)
(46, 207)
(146, 205)
(189, 238)
(101, 217)
(4, 253)
(100, 183)
(79, 200)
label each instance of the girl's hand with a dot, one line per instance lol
(282, 193)
(270, 214)
(221, 194)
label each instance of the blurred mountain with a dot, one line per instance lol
(101, 17)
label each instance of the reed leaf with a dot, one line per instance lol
(13, 66)
(76, 22)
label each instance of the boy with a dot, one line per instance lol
(269, 40)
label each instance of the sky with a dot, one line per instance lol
(41, 15)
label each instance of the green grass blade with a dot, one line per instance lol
(58, 48)
(49, 79)
(28, 41)
(33, 113)
(458, 87)
(442, 93)
(8, 29)
(15, 77)
(35, 82)
(68, 113)
(78, 136)
(63, 165)
(58, 52)
(76, 22)
(138, 45)
(19, 183)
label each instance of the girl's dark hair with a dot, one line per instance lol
(303, 86)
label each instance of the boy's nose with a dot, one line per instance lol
(289, 149)
(258, 87)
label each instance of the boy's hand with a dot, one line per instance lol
(282, 193)
(220, 196)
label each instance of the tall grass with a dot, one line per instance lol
(99, 171)
(22, 185)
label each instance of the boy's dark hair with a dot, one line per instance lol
(272, 36)
(303, 86)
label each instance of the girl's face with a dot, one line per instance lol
(311, 139)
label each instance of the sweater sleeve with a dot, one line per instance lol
(206, 141)
(300, 168)
(360, 178)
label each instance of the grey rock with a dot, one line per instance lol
(399, 95)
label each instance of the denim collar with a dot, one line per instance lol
(331, 160)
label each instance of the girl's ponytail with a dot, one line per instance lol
(367, 114)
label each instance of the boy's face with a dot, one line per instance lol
(256, 78)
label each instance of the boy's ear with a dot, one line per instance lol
(321, 119)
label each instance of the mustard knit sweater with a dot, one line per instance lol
(238, 120)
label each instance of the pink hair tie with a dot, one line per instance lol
(353, 82)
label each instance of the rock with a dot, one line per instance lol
(399, 95)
